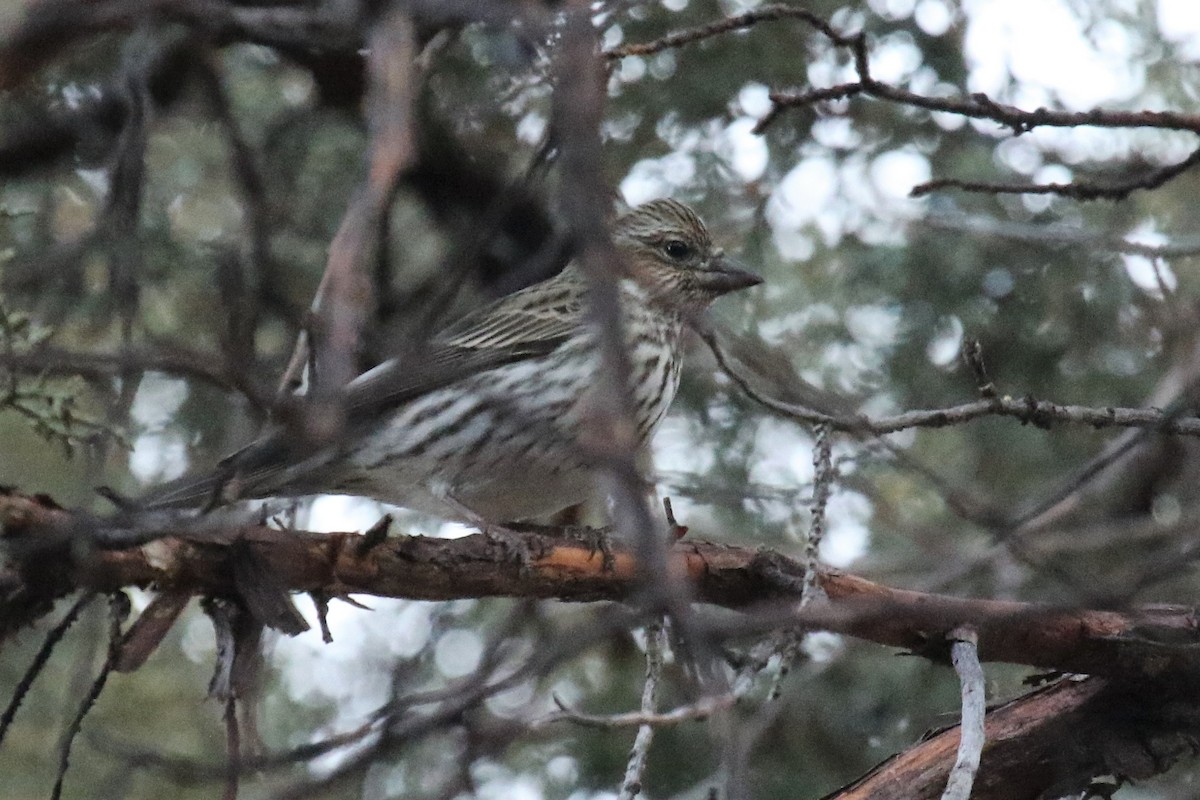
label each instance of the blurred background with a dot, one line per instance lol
(870, 295)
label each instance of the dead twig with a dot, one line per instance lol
(964, 654)
(699, 710)
(1028, 410)
(656, 641)
(118, 610)
(39, 661)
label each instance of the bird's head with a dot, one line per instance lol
(670, 254)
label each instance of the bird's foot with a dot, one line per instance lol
(597, 540)
(512, 544)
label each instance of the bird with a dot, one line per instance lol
(485, 425)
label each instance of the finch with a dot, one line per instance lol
(486, 423)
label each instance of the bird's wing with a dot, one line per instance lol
(550, 310)
(523, 325)
(527, 324)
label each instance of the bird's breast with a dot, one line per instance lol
(653, 339)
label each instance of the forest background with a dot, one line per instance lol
(178, 177)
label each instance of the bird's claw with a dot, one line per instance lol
(595, 539)
(512, 544)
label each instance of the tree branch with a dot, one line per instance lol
(345, 302)
(43, 567)
(1110, 731)
(1028, 410)
(168, 359)
(679, 38)
(964, 655)
(1079, 190)
(656, 642)
(1060, 236)
(974, 106)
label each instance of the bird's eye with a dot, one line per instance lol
(677, 250)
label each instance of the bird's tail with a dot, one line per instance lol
(190, 491)
(270, 466)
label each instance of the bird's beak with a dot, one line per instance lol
(726, 275)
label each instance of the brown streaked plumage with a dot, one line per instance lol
(486, 423)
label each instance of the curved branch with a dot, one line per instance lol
(345, 302)
(974, 106)
(768, 13)
(1028, 410)
(1116, 190)
(167, 359)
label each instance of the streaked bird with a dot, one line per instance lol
(485, 425)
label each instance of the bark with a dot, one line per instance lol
(47, 562)
(1048, 743)
(1134, 717)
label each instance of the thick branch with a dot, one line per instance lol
(1150, 641)
(609, 432)
(1046, 744)
(346, 302)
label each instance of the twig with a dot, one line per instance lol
(1113, 451)
(146, 633)
(375, 535)
(233, 749)
(972, 352)
(787, 642)
(631, 786)
(1079, 190)
(823, 478)
(118, 609)
(689, 35)
(451, 704)
(241, 294)
(39, 661)
(1062, 236)
(251, 181)
(1028, 410)
(699, 710)
(578, 109)
(321, 604)
(345, 300)
(184, 770)
(1141, 422)
(166, 358)
(975, 106)
(962, 503)
(964, 654)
